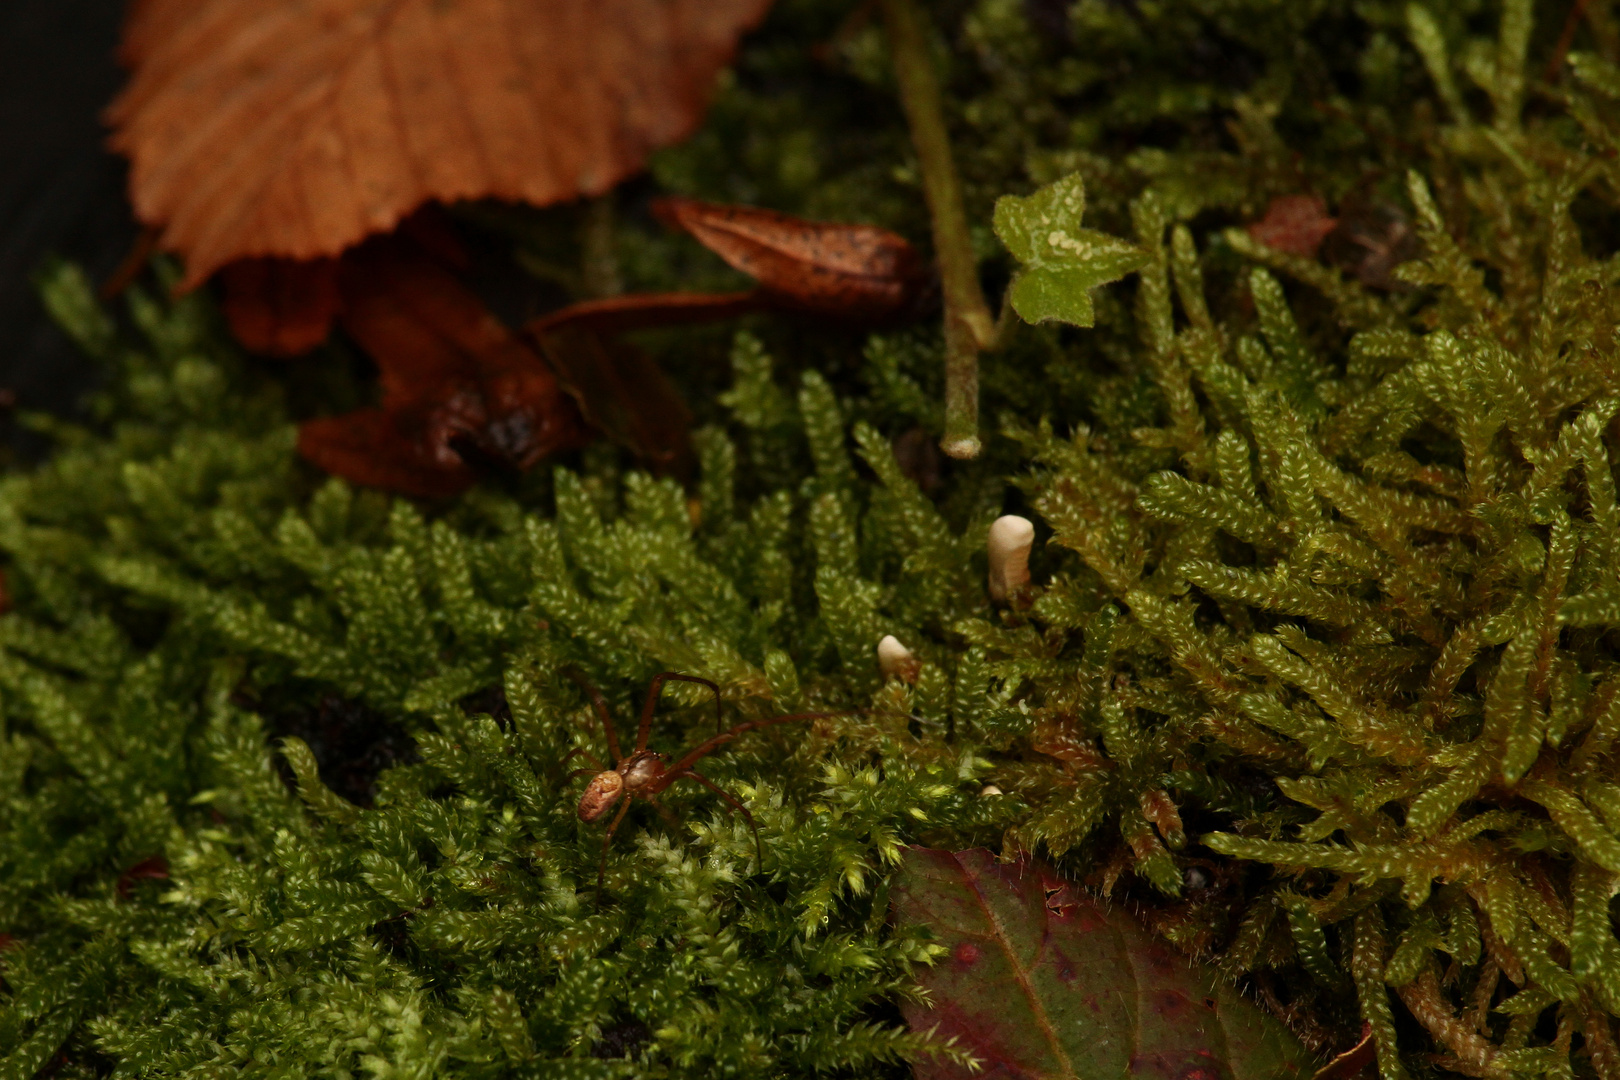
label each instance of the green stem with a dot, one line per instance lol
(968, 323)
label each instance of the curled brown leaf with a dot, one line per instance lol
(458, 387)
(856, 273)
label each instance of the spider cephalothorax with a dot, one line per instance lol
(644, 774)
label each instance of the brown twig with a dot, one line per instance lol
(1566, 37)
(969, 326)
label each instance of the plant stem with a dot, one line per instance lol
(968, 324)
(599, 257)
(1555, 65)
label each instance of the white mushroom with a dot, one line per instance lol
(896, 661)
(1008, 544)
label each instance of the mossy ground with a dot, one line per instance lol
(1319, 668)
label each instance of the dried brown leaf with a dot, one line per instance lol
(623, 393)
(281, 307)
(458, 386)
(296, 128)
(859, 273)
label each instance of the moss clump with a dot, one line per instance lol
(182, 603)
(1369, 560)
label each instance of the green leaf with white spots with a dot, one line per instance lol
(1062, 261)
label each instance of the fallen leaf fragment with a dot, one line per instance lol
(858, 273)
(296, 128)
(404, 451)
(1349, 1064)
(286, 307)
(458, 387)
(155, 868)
(281, 307)
(1371, 241)
(621, 392)
(1296, 224)
(852, 273)
(1041, 981)
(647, 311)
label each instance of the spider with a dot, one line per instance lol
(644, 773)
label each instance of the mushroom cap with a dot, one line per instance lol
(1008, 544)
(896, 661)
(1010, 533)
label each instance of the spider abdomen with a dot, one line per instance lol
(600, 795)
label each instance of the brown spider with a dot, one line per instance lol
(644, 774)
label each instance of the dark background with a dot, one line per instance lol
(61, 192)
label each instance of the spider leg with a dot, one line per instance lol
(652, 703)
(664, 812)
(759, 848)
(704, 749)
(601, 867)
(601, 710)
(587, 755)
(569, 779)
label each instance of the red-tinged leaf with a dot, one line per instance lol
(1042, 981)
(622, 393)
(456, 382)
(281, 307)
(860, 273)
(645, 311)
(293, 128)
(1296, 224)
(155, 868)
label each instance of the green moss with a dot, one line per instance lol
(1366, 558)
(184, 597)
(1318, 669)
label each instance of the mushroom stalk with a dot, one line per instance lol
(1008, 546)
